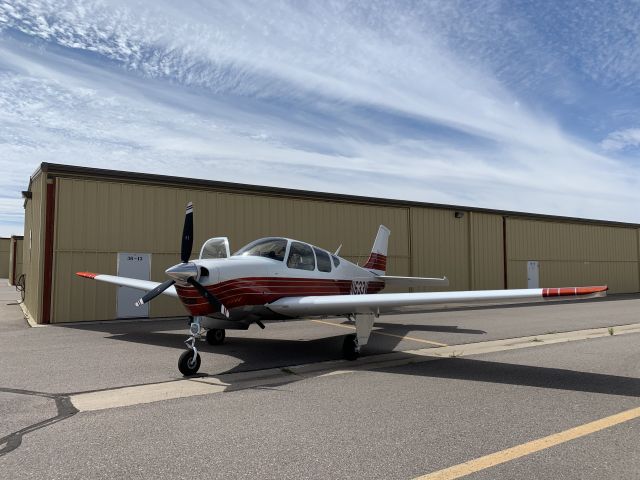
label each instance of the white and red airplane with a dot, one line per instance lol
(282, 278)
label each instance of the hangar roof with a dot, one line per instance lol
(56, 169)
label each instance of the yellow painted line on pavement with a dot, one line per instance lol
(528, 448)
(403, 337)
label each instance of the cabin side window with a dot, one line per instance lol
(324, 262)
(273, 248)
(301, 257)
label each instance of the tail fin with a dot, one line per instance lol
(377, 261)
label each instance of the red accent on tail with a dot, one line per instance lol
(87, 274)
(376, 261)
(572, 291)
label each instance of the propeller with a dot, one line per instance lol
(185, 271)
(155, 292)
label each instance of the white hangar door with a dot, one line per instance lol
(132, 265)
(533, 274)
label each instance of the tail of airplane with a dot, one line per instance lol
(377, 261)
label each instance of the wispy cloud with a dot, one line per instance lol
(438, 102)
(622, 139)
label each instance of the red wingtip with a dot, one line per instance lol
(87, 274)
(573, 291)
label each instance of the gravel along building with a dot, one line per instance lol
(112, 222)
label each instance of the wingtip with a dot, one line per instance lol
(574, 291)
(87, 274)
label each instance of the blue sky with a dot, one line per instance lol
(530, 106)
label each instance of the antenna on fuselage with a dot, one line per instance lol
(338, 250)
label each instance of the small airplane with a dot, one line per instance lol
(278, 278)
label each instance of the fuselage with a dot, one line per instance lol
(247, 281)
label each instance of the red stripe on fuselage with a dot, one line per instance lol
(261, 290)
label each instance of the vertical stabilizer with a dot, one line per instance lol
(377, 261)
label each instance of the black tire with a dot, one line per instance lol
(187, 365)
(350, 347)
(215, 336)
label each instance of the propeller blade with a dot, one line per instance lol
(187, 234)
(155, 292)
(215, 303)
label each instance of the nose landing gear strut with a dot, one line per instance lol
(189, 361)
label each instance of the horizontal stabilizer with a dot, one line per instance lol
(407, 282)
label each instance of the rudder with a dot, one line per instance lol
(377, 261)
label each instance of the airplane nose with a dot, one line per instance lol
(183, 271)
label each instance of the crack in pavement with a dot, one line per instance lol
(65, 409)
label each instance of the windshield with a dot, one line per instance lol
(265, 247)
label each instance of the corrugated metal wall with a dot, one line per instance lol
(17, 252)
(440, 246)
(573, 254)
(4, 257)
(33, 247)
(487, 252)
(97, 218)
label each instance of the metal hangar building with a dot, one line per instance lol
(87, 219)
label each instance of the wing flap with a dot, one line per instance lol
(144, 285)
(423, 301)
(416, 282)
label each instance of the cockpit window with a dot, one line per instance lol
(324, 262)
(265, 247)
(336, 260)
(301, 257)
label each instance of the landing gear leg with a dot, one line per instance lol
(189, 361)
(352, 343)
(350, 347)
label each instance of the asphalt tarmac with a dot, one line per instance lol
(400, 420)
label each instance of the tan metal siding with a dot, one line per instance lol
(4, 257)
(34, 247)
(573, 254)
(440, 246)
(487, 256)
(18, 260)
(95, 220)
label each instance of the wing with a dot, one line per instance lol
(418, 302)
(144, 285)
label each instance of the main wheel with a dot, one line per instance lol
(187, 364)
(350, 349)
(215, 336)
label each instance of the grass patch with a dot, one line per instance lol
(611, 331)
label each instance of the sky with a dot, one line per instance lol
(512, 105)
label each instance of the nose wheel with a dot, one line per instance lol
(189, 361)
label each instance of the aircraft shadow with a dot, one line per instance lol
(477, 370)
(259, 349)
(261, 353)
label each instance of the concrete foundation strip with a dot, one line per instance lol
(140, 394)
